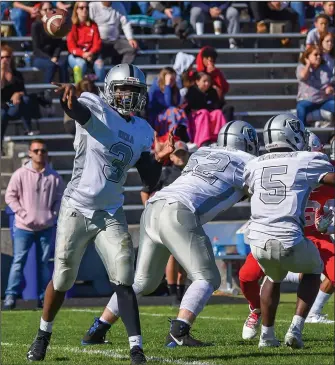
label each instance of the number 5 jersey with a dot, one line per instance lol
(211, 182)
(106, 147)
(281, 184)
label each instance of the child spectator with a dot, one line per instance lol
(203, 104)
(183, 65)
(205, 62)
(316, 84)
(328, 50)
(329, 10)
(321, 26)
(164, 99)
(47, 49)
(109, 20)
(34, 194)
(14, 101)
(84, 44)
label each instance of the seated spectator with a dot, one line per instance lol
(202, 12)
(274, 10)
(109, 20)
(64, 5)
(203, 104)
(84, 44)
(84, 85)
(328, 50)
(328, 8)
(14, 101)
(183, 65)
(300, 8)
(164, 114)
(47, 50)
(20, 14)
(321, 26)
(316, 84)
(205, 62)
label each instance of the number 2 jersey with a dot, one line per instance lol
(211, 182)
(280, 184)
(106, 147)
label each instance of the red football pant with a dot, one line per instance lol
(327, 252)
(249, 275)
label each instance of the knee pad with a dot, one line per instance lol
(124, 262)
(145, 286)
(63, 281)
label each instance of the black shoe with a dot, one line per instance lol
(179, 335)
(39, 346)
(9, 302)
(96, 334)
(137, 356)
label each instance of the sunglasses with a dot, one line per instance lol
(82, 7)
(2, 57)
(42, 150)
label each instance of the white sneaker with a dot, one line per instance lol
(251, 325)
(318, 318)
(293, 338)
(268, 342)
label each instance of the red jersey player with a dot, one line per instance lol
(316, 221)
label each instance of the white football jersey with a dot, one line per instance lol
(281, 184)
(107, 146)
(211, 182)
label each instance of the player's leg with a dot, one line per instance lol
(182, 233)
(72, 239)
(181, 279)
(249, 275)
(303, 258)
(269, 259)
(171, 273)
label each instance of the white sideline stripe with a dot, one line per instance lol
(115, 354)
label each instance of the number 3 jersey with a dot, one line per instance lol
(281, 184)
(211, 182)
(106, 147)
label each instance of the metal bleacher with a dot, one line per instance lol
(262, 81)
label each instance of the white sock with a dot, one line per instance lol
(196, 296)
(46, 326)
(135, 341)
(298, 322)
(104, 321)
(292, 277)
(268, 332)
(320, 300)
(184, 320)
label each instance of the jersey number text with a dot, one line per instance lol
(275, 188)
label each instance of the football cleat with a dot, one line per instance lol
(268, 342)
(293, 338)
(137, 356)
(39, 347)
(251, 325)
(318, 318)
(96, 335)
(179, 335)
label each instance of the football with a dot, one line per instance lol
(57, 23)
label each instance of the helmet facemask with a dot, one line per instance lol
(125, 96)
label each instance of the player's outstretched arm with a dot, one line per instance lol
(163, 150)
(70, 103)
(328, 179)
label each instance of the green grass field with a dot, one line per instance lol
(221, 324)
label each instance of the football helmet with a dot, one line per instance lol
(239, 135)
(125, 89)
(314, 143)
(285, 131)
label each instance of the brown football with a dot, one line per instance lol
(57, 23)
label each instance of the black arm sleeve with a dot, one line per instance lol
(149, 170)
(79, 112)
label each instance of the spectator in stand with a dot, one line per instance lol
(183, 66)
(202, 12)
(109, 20)
(14, 101)
(87, 84)
(328, 50)
(175, 274)
(300, 8)
(274, 10)
(328, 8)
(47, 49)
(34, 194)
(63, 5)
(21, 13)
(203, 107)
(84, 44)
(316, 84)
(205, 62)
(321, 26)
(164, 99)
